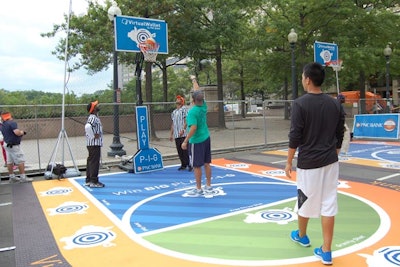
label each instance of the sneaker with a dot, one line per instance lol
(96, 185)
(207, 188)
(86, 184)
(190, 168)
(26, 180)
(181, 168)
(326, 257)
(194, 192)
(304, 241)
(14, 180)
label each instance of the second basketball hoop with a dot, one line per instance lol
(149, 48)
(336, 65)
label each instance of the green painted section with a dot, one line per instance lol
(231, 238)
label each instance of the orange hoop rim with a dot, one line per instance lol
(334, 63)
(149, 51)
(145, 47)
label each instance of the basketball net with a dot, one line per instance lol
(336, 65)
(150, 51)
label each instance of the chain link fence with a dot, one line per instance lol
(52, 137)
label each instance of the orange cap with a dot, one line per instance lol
(180, 99)
(92, 106)
(6, 116)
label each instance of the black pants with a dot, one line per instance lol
(183, 154)
(93, 164)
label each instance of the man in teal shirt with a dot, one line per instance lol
(198, 141)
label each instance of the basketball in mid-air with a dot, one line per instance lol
(150, 43)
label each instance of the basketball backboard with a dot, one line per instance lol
(325, 52)
(131, 31)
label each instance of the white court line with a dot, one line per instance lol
(7, 249)
(388, 177)
(5, 204)
(280, 161)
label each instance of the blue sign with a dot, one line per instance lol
(131, 31)
(382, 126)
(142, 127)
(325, 52)
(147, 160)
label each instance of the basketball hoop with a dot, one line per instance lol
(149, 48)
(336, 65)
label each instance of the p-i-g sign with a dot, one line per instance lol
(325, 52)
(147, 160)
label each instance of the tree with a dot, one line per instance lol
(253, 34)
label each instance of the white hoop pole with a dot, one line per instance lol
(337, 80)
(336, 67)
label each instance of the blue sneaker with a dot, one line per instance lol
(326, 257)
(304, 241)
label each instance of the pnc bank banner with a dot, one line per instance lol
(383, 126)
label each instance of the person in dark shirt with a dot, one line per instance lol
(12, 144)
(316, 131)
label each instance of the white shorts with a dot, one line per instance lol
(317, 191)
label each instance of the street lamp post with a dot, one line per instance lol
(292, 38)
(387, 52)
(116, 146)
(205, 65)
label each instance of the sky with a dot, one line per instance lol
(26, 62)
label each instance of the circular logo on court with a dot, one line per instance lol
(389, 125)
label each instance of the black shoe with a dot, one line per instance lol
(181, 168)
(190, 169)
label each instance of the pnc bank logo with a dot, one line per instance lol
(389, 125)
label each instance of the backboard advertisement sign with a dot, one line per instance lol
(325, 52)
(132, 31)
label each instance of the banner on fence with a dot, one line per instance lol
(382, 126)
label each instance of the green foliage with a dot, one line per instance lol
(256, 54)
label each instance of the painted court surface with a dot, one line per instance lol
(148, 219)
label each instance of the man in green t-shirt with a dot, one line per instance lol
(198, 141)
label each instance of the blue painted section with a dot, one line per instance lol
(170, 207)
(375, 151)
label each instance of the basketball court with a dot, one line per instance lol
(147, 219)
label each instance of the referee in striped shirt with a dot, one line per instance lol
(178, 131)
(94, 142)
